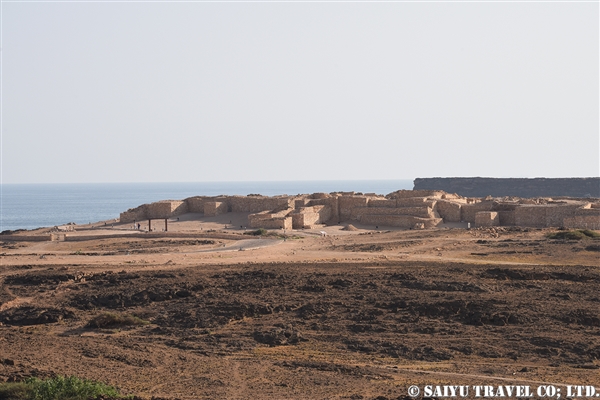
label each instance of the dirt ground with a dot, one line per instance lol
(354, 314)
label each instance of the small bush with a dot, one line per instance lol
(107, 320)
(258, 232)
(14, 391)
(574, 235)
(590, 233)
(58, 388)
(69, 388)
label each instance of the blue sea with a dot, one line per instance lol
(30, 206)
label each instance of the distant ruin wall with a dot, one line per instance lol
(166, 209)
(196, 204)
(214, 208)
(423, 212)
(487, 218)
(520, 187)
(449, 211)
(582, 222)
(405, 194)
(414, 202)
(402, 221)
(257, 204)
(309, 216)
(468, 211)
(270, 223)
(347, 203)
(331, 202)
(160, 209)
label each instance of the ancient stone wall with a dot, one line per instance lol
(582, 222)
(214, 208)
(267, 220)
(403, 194)
(556, 214)
(391, 203)
(308, 216)
(196, 204)
(347, 204)
(449, 211)
(487, 218)
(160, 209)
(166, 209)
(402, 221)
(252, 204)
(423, 212)
(530, 215)
(134, 214)
(333, 204)
(468, 211)
(414, 202)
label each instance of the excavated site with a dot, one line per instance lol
(338, 296)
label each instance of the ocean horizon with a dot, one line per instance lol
(31, 206)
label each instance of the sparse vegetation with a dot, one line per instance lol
(258, 232)
(574, 234)
(271, 234)
(14, 391)
(590, 233)
(110, 320)
(57, 388)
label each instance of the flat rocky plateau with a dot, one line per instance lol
(353, 315)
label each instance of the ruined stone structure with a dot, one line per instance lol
(520, 187)
(414, 209)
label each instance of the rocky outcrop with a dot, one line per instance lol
(520, 187)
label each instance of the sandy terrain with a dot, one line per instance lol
(355, 314)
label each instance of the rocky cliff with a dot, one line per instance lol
(520, 187)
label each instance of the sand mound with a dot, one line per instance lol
(349, 227)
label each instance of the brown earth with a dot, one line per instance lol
(353, 315)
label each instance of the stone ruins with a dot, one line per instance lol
(411, 209)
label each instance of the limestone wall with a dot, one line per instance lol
(487, 218)
(160, 209)
(347, 204)
(586, 217)
(530, 215)
(468, 211)
(555, 215)
(166, 209)
(196, 204)
(449, 211)
(414, 202)
(214, 208)
(402, 221)
(582, 222)
(253, 204)
(391, 203)
(506, 218)
(308, 216)
(423, 212)
(269, 221)
(331, 202)
(134, 214)
(25, 238)
(403, 194)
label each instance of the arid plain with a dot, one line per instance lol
(358, 313)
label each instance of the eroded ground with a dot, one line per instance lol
(355, 315)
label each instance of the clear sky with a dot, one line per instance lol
(257, 91)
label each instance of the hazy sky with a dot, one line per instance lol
(142, 92)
